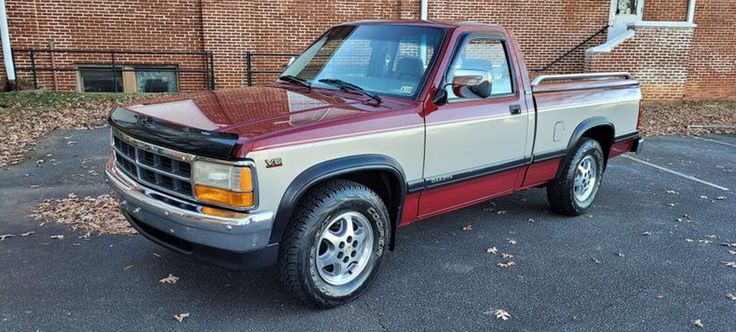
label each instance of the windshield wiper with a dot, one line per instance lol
(350, 87)
(295, 80)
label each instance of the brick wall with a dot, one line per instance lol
(545, 28)
(230, 28)
(233, 27)
(665, 10)
(84, 24)
(656, 56)
(712, 62)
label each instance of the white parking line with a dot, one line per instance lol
(714, 141)
(676, 173)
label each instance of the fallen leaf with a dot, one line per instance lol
(128, 267)
(659, 296)
(511, 241)
(492, 250)
(671, 192)
(595, 260)
(530, 220)
(27, 233)
(647, 233)
(100, 214)
(468, 227)
(4, 236)
(731, 296)
(57, 237)
(507, 264)
(171, 279)
(156, 254)
(732, 252)
(720, 198)
(672, 204)
(712, 237)
(689, 240)
(698, 323)
(620, 255)
(703, 197)
(500, 212)
(731, 264)
(506, 255)
(181, 317)
(502, 314)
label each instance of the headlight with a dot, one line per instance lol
(223, 184)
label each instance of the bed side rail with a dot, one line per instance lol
(568, 77)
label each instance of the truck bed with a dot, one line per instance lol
(563, 102)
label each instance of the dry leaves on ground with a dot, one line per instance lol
(502, 314)
(99, 214)
(171, 279)
(26, 116)
(677, 118)
(698, 323)
(181, 317)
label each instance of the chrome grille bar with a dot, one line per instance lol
(151, 166)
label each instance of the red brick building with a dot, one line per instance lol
(678, 49)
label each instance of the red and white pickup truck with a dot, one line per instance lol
(374, 126)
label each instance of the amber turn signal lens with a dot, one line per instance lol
(222, 196)
(222, 213)
(246, 181)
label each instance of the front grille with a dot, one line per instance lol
(154, 169)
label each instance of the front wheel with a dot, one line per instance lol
(335, 244)
(577, 183)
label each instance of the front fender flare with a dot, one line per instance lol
(331, 169)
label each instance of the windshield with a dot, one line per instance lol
(383, 59)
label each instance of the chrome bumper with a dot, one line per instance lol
(246, 232)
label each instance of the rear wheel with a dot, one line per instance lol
(577, 184)
(335, 244)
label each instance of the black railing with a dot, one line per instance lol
(115, 66)
(249, 56)
(575, 48)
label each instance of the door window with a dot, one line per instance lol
(487, 55)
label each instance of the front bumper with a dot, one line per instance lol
(240, 242)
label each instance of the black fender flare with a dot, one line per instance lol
(331, 169)
(587, 124)
(580, 130)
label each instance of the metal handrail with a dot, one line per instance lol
(568, 52)
(250, 55)
(564, 77)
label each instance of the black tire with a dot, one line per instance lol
(299, 250)
(561, 193)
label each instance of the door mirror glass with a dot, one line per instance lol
(472, 83)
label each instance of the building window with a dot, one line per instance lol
(156, 79)
(99, 79)
(130, 79)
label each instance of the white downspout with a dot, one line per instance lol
(5, 39)
(423, 11)
(691, 11)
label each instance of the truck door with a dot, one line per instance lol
(475, 147)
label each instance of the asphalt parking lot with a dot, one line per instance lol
(648, 256)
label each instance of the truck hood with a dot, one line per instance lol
(219, 120)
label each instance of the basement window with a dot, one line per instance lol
(129, 79)
(156, 79)
(99, 79)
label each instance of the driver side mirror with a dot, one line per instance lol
(466, 81)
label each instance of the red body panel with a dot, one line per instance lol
(622, 147)
(541, 173)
